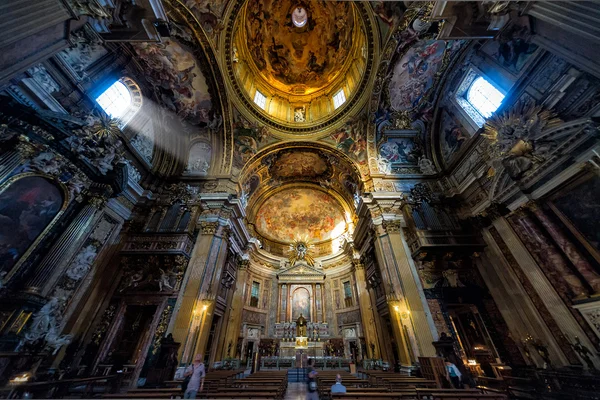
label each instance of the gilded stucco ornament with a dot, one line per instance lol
(516, 138)
(300, 250)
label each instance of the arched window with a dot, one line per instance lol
(121, 100)
(484, 97)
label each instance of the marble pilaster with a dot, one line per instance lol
(366, 308)
(232, 332)
(405, 292)
(8, 162)
(190, 313)
(557, 315)
(548, 258)
(571, 252)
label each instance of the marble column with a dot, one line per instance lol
(64, 247)
(196, 300)
(234, 323)
(366, 311)
(547, 256)
(569, 250)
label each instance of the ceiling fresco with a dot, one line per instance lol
(300, 213)
(208, 13)
(175, 73)
(299, 164)
(291, 57)
(407, 86)
(413, 75)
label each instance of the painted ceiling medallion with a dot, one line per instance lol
(299, 17)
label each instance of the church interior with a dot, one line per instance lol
(383, 189)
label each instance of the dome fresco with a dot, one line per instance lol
(288, 55)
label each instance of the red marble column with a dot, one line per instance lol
(547, 256)
(581, 264)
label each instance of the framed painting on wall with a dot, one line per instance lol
(578, 208)
(29, 206)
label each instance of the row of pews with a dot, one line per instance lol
(260, 385)
(213, 379)
(220, 385)
(392, 386)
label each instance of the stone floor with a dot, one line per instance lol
(296, 391)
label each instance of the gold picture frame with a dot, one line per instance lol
(66, 200)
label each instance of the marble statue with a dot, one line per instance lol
(82, 262)
(163, 281)
(426, 166)
(46, 326)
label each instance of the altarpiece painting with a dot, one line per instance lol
(27, 206)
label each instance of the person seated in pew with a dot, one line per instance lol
(337, 387)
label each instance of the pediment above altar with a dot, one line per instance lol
(301, 272)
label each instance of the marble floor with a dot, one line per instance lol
(296, 391)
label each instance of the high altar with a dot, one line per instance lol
(301, 324)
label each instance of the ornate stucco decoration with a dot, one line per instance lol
(301, 272)
(300, 250)
(517, 138)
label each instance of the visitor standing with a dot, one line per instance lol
(454, 375)
(312, 393)
(196, 373)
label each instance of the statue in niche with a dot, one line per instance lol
(301, 326)
(300, 114)
(164, 281)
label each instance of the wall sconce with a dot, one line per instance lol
(204, 307)
(472, 362)
(397, 308)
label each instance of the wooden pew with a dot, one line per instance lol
(468, 396)
(427, 392)
(145, 395)
(366, 395)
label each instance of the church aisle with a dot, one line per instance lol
(295, 391)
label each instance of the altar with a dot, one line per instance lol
(312, 349)
(300, 344)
